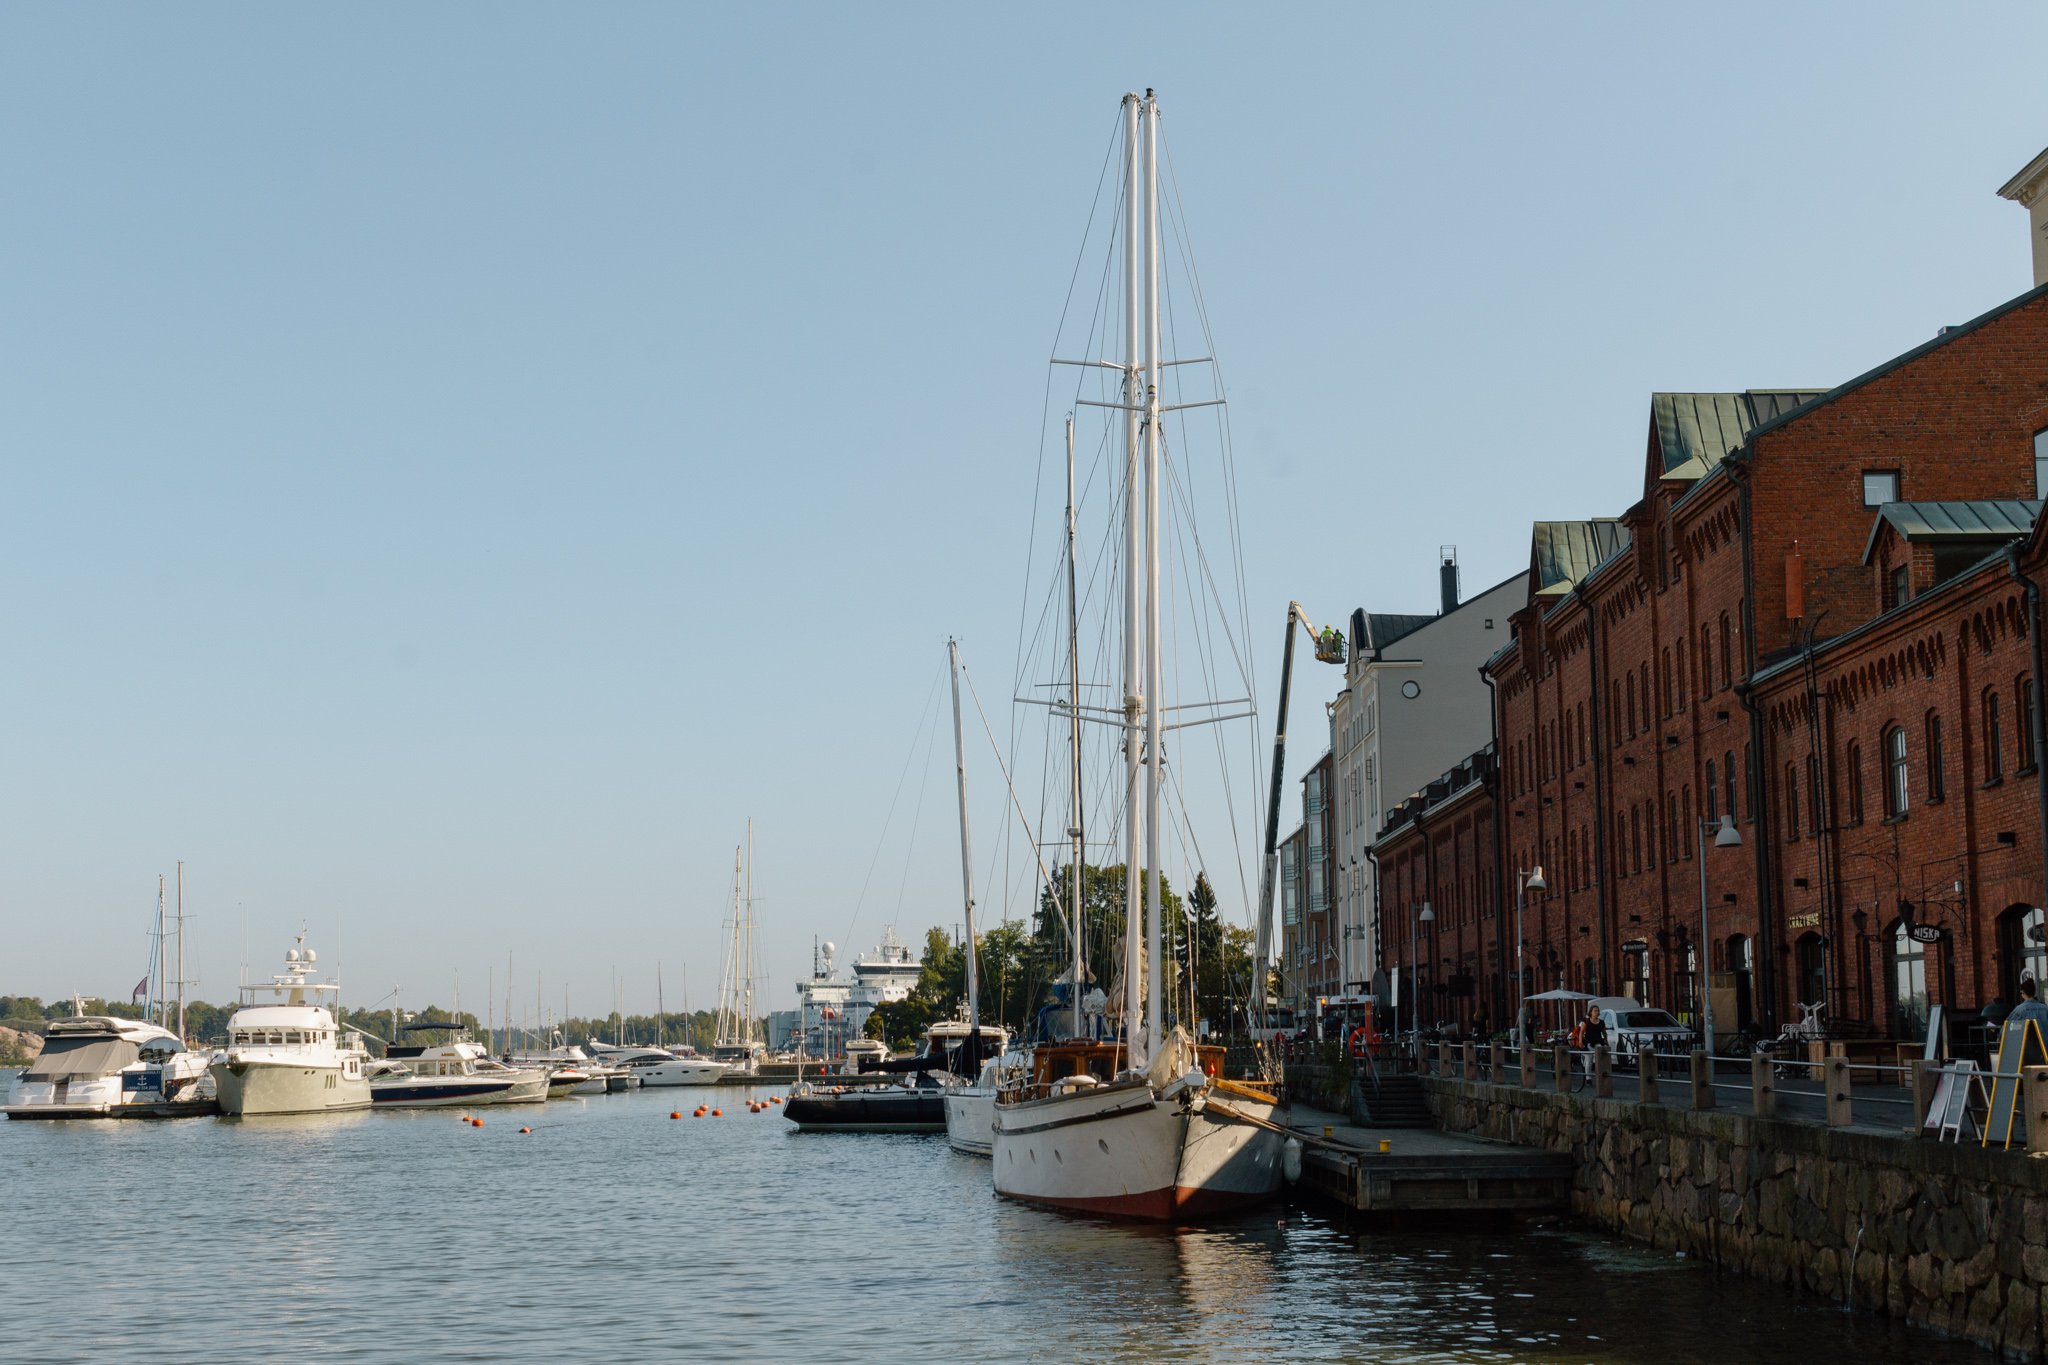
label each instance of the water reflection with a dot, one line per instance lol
(612, 1232)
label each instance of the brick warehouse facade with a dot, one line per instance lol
(1437, 849)
(1630, 705)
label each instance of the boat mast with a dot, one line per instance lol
(155, 1005)
(1134, 702)
(747, 963)
(1074, 826)
(181, 950)
(1154, 752)
(966, 861)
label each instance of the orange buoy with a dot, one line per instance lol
(718, 1113)
(477, 1122)
(775, 1099)
(526, 1130)
(675, 1113)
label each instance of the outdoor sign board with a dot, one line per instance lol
(2020, 1045)
(1951, 1107)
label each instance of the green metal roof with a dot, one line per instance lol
(1696, 431)
(1985, 519)
(1563, 552)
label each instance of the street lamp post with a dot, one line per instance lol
(1423, 915)
(1727, 836)
(1525, 882)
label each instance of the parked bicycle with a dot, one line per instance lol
(1787, 1043)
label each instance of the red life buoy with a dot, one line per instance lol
(1359, 1041)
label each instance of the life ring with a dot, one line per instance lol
(1360, 1042)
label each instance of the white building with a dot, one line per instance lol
(1412, 706)
(2029, 189)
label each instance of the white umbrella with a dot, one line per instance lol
(1561, 995)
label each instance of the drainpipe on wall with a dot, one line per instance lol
(1500, 856)
(1767, 932)
(1606, 910)
(2036, 724)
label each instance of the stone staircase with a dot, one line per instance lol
(1397, 1102)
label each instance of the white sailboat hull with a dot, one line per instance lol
(970, 1120)
(1120, 1150)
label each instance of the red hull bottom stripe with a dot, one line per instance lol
(1159, 1206)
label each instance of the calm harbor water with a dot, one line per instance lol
(614, 1233)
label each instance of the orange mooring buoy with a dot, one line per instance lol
(526, 1130)
(675, 1113)
(477, 1122)
(718, 1113)
(775, 1099)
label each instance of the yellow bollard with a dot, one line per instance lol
(1386, 1145)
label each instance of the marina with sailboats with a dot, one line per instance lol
(1152, 1077)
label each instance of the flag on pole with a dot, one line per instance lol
(141, 988)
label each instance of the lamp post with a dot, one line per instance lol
(1525, 882)
(1727, 836)
(1423, 915)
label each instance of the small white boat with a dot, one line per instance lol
(570, 1070)
(93, 1066)
(450, 1071)
(661, 1066)
(287, 1056)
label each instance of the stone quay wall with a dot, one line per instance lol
(1951, 1236)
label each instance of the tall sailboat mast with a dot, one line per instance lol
(966, 860)
(747, 1023)
(156, 1010)
(1074, 826)
(1134, 701)
(181, 949)
(1154, 750)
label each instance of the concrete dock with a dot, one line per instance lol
(1425, 1171)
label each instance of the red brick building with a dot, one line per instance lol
(1437, 849)
(1628, 707)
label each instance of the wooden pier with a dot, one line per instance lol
(1422, 1171)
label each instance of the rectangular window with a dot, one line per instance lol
(2040, 464)
(1880, 486)
(2026, 689)
(1936, 783)
(1896, 587)
(1994, 740)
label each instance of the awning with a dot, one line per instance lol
(66, 1058)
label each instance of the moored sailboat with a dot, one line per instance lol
(1145, 1127)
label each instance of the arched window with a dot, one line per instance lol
(1895, 772)
(1937, 780)
(1994, 741)
(1728, 782)
(1855, 784)
(2022, 950)
(1791, 802)
(1906, 979)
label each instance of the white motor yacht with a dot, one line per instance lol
(662, 1066)
(454, 1070)
(570, 1069)
(93, 1066)
(285, 1055)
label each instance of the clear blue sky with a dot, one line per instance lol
(462, 461)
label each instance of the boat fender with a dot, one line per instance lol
(1290, 1159)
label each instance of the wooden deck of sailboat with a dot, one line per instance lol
(1424, 1170)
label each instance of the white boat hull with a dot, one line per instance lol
(259, 1087)
(680, 1072)
(970, 1120)
(1120, 1150)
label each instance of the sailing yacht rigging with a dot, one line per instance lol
(733, 1040)
(1147, 1128)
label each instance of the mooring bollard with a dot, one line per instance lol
(1528, 1066)
(1471, 1060)
(1646, 1075)
(1561, 1067)
(1702, 1081)
(2034, 1089)
(1497, 1061)
(1603, 1074)
(1443, 1057)
(1840, 1106)
(1923, 1092)
(1763, 1092)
